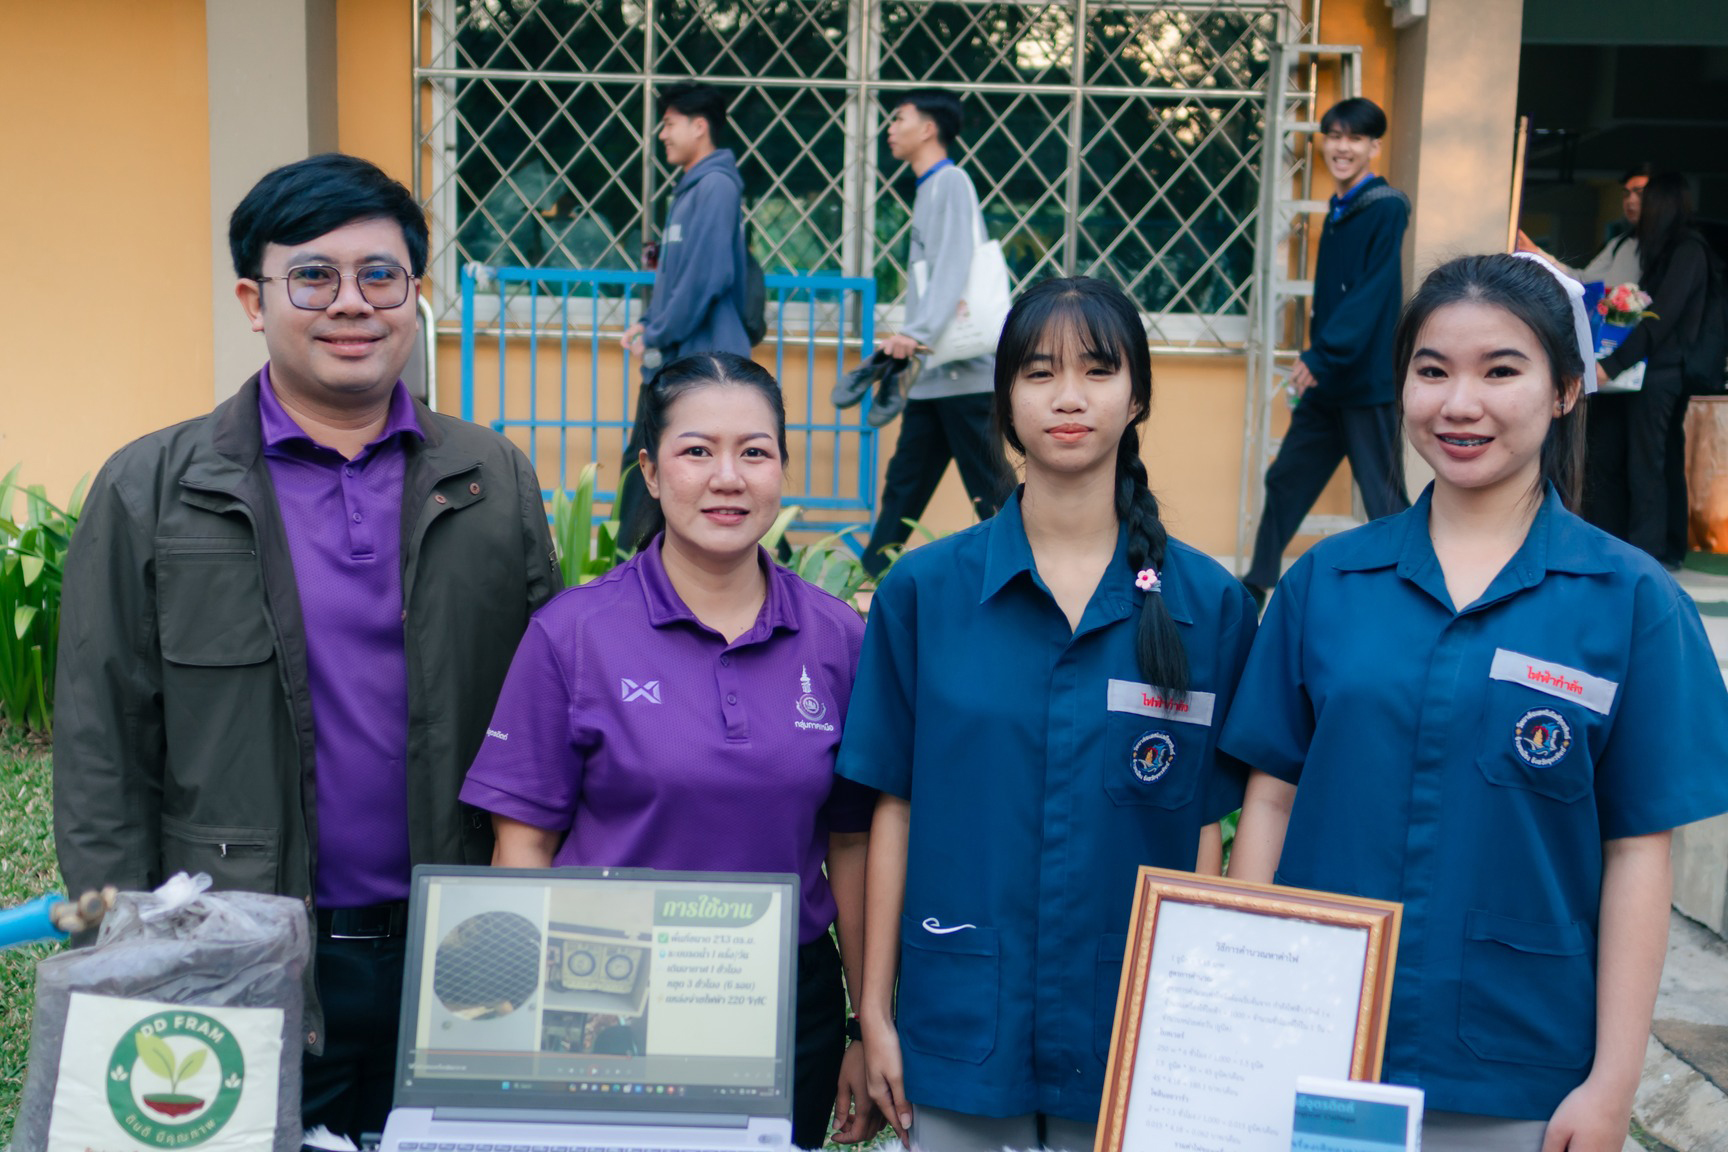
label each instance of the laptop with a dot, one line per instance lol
(596, 1009)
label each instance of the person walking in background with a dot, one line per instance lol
(1342, 386)
(286, 622)
(947, 414)
(698, 301)
(1634, 436)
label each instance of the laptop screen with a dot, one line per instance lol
(610, 989)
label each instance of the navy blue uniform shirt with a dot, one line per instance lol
(1471, 764)
(1042, 772)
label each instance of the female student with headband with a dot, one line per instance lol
(717, 753)
(1038, 703)
(1494, 713)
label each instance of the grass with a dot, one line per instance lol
(27, 870)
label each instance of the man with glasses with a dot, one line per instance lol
(286, 623)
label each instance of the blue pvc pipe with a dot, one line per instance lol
(30, 922)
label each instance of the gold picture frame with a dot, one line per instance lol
(1159, 889)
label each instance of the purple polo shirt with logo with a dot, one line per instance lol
(656, 744)
(344, 525)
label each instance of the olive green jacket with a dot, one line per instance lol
(183, 735)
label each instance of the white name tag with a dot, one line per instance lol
(1195, 708)
(674, 233)
(1593, 692)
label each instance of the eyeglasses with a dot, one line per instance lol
(315, 287)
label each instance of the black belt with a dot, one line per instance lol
(373, 922)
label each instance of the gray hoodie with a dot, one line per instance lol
(945, 227)
(698, 301)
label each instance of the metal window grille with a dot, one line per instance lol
(1108, 137)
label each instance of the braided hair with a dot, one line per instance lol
(1101, 320)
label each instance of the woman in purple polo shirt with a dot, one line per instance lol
(684, 711)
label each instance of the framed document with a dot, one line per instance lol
(1229, 992)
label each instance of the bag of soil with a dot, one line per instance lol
(179, 1028)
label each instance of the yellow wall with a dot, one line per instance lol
(106, 199)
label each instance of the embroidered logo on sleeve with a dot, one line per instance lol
(811, 710)
(1153, 755)
(1542, 737)
(1145, 700)
(1592, 692)
(648, 690)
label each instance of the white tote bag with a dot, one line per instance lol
(977, 322)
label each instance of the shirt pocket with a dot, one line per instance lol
(1112, 952)
(1152, 763)
(235, 857)
(1536, 743)
(949, 984)
(1528, 992)
(210, 603)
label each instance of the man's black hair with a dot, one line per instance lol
(1643, 168)
(303, 200)
(697, 100)
(941, 107)
(1357, 116)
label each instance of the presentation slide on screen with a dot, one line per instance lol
(599, 977)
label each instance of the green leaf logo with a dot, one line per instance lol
(157, 1057)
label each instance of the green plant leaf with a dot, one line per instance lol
(157, 1056)
(194, 1061)
(32, 569)
(21, 619)
(75, 506)
(777, 530)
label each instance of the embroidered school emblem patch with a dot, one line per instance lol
(1153, 754)
(1542, 737)
(811, 710)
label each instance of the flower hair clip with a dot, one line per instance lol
(1147, 581)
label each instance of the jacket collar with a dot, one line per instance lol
(238, 438)
(1007, 554)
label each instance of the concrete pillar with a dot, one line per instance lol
(272, 84)
(1454, 122)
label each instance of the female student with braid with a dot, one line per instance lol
(1038, 703)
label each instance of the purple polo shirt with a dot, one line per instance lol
(344, 525)
(633, 726)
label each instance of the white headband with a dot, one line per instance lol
(1580, 320)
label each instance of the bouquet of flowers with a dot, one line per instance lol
(1624, 305)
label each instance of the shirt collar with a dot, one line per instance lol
(1339, 203)
(1008, 553)
(279, 428)
(1557, 541)
(666, 607)
(932, 170)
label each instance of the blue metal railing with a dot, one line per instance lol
(828, 318)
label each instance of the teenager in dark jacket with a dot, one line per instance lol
(1342, 386)
(699, 285)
